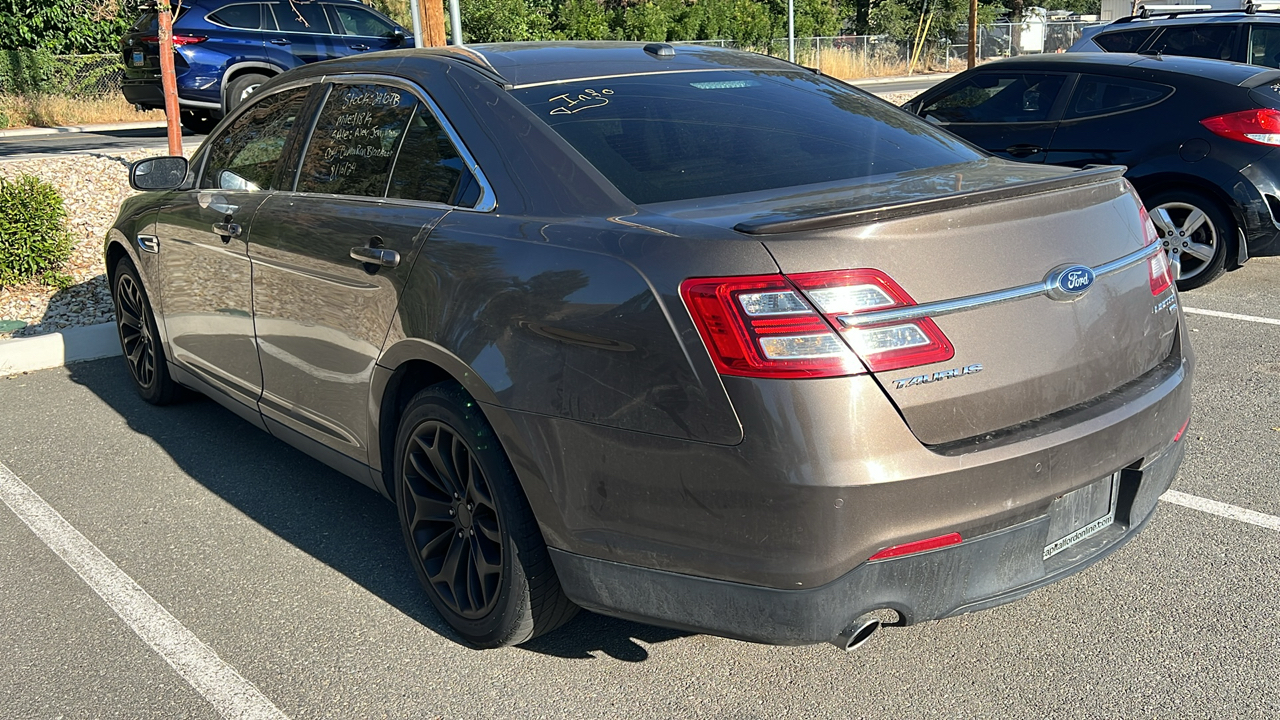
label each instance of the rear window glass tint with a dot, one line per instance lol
(300, 17)
(1216, 41)
(355, 140)
(1097, 95)
(993, 97)
(1126, 41)
(245, 155)
(244, 17)
(429, 167)
(150, 22)
(661, 138)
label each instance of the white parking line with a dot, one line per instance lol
(1214, 507)
(219, 683)
(1230, 316)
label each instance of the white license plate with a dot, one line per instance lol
(136, 58)
(1081, 513)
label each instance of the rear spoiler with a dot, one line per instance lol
(871, 214)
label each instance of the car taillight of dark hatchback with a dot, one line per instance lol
(685, 335)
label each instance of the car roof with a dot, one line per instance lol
(1192, 17)
(1215, 70)
(533, 63)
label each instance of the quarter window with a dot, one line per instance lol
(355, 141)
(1125, 41)
(245, 156)
(1097, 95)
(997, 98)
(300, 17)
(1216, 42)
(1264, 46)
(357, 21)
(429, 167)
(243, 17)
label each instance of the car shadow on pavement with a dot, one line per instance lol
(322, 512)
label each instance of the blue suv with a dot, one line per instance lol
(225, 49)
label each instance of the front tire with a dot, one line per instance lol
(471, 536)
(1197, 229)
(140, 339)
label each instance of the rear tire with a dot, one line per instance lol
(241, 88)
(139, 338)
(1197, 229)
(471, 536)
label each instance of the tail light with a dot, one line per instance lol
(178, 40)
(918, 546)
(1259, 126)
(1159, 272)
(785, 326)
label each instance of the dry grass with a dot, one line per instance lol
(848, 64)
(53, 110)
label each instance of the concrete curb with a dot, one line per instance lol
(41, 352)
(901, 78)
(106, 127)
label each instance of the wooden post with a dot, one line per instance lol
(973, 33)
(168, 79)
(433, 34)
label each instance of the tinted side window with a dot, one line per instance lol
(429, 167)
(1097, 95)
(1264, 45)
(358, 21)
(1126, 41)
(245, 155)
(300, 17)
(995, 97)
(355, 140)
(1216, 42)
(244, 17)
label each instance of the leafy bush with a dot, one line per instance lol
(34, 242)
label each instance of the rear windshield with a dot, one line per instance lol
(149, 21)
(678, 136)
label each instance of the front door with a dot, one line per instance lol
(1012, 114)
(331, 259)
(203, 240)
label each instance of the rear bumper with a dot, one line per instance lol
(982, 572)
(149, 94)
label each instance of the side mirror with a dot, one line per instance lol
(160, 173)
(398, 36)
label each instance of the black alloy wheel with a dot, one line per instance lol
(471, 535)
(139, 339)
(452, 518)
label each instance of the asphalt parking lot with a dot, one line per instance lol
(296, 578)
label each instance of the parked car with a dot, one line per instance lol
(1198, 137)
(1248, 36)
(225, 49)
(686, 335)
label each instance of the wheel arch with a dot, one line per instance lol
(119, 246)
(244, 68)
(1159, 182)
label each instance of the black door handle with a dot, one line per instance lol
(376, 256)
(1023, 150)
(280, 41)
(359, 47)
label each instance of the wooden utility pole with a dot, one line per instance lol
(433, 34)
(973, 32)
(168, 79)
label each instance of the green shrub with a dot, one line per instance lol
(34, 242)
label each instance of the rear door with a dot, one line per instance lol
(1009, 113)
(1109, 121)
(240, 35)
(375, 177)
(301, 34)
(203, 247)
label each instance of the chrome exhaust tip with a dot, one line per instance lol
(857, 634)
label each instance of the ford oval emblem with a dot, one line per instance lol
(1069, 283)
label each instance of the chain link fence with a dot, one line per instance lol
(72, 76)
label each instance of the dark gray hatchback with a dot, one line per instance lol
(686, 335)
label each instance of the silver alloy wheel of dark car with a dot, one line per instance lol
(471, 536)
(241, 88)
(139, 338)
(1194, 229)
(452, 519)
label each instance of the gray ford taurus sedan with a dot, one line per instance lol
(686, 335)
